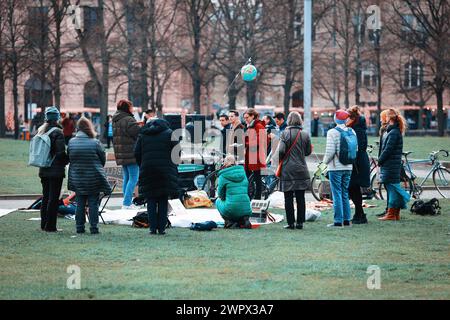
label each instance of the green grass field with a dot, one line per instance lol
(264, 263)
(18, 178)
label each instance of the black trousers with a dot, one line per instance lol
(51, 189)
(289, 206)
(356, 196)
(108, 142)
(258, 183)
(157, 213)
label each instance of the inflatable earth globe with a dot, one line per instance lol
(249, 72)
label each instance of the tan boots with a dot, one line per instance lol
(392, 214)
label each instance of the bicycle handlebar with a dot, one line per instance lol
(434, 153)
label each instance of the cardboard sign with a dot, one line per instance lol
(177, 208)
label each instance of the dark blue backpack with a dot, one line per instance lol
(348, 146)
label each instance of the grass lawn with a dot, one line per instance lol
(18, 178)
(264, 263)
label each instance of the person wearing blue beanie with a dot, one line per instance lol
(52, 114)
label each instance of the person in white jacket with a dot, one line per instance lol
(339, 174)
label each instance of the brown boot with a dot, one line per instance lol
(397, 214)
(390, 215)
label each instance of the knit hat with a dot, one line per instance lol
(52, 114)
(341, 116)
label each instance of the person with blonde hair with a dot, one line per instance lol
(294, 180)
(233, 202)
(87, 177)
(390, 163)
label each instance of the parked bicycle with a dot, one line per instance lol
(439, 174)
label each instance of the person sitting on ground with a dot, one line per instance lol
(233, 202)
(87, 175)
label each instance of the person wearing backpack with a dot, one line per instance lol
(87, 176)
(340, 154)
(361, 170)
(52, 175)
(390, 163)
(294, 180)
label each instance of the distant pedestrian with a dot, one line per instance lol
(390, 162)
(236, 138)
(339, 172)
(360, 178)
(158, 174)
(125, 134)
(226, 126)
(280, 121)
(52, 177)
(87, 176)
(294, 146)
(68, 125)
(109, 131)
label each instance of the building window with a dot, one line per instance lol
(359, 29)
(413, 74)
(91, 17)
(369, 74)
(412, 30)
(38, 24)
(91, 97)
(298, 30)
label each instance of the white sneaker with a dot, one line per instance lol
(131, 207)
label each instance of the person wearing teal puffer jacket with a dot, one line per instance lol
(233, 202)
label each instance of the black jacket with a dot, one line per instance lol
(158, 175)
(57, 150)
(390, 159)
(87, 159)
(361, 169)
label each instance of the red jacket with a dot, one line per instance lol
(256, 140)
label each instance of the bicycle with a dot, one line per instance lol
(320, 185)
(440, 176)
(374, 170)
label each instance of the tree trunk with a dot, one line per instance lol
(196, 79)
(58, 63)
(15, 97)
(2, 88)
(251, 94)
(105, 69)
(287, 92)
(440, 111)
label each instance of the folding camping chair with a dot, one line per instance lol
(103, 196)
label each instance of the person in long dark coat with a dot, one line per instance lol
(294, 179)
(158, 174)
(53, 176)
(87, 176)
(361, 169)
(390, 162)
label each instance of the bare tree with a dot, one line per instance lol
(425, 25)
(16, 50)
(2, 68)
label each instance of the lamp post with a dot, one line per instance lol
(307, 68)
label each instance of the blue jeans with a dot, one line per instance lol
(340, 181)
(157, 213)
(80, 218)
(130, 174)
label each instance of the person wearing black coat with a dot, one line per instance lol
(158, 174)
(390, 162)
(87, 176)
(360, 177)
(53, 176)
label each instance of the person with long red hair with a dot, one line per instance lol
(390, 162)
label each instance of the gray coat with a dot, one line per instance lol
(87, 159)
(295, 173)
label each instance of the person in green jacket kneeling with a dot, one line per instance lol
(233, 202)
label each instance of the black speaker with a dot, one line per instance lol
(193, 118)
(174, 120)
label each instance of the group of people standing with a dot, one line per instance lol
(145, 153)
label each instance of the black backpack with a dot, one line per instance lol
(423, 208)
(141, 221)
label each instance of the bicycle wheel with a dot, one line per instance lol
(210, 185)
(314, 187)
(406, 184)
(375, 185)
(441, 180)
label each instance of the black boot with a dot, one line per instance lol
(299, 226)
(246, 224)
(290, 226)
